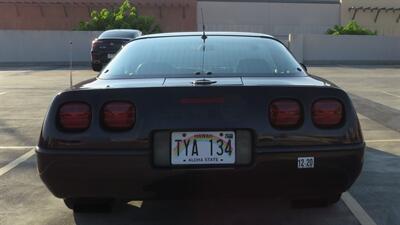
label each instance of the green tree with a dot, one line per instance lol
(351, 28)
(124, 17)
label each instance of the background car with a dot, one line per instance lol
(192, 115)
(108, 44)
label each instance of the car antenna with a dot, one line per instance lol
(204, 37)
(70, 64)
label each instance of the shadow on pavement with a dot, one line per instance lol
(385, 115)
(15, 132)
(230, 211)
(377, 189)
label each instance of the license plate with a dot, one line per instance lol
(305, 162)
(194, 148)
(110, 56)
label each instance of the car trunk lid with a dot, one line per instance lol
(203, 81)
(110, 45)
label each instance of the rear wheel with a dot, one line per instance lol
(323, 200)
(90, 205)
(97, 66)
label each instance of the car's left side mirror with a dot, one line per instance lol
(304, 67)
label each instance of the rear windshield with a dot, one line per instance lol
(189, 56)
(119, 34)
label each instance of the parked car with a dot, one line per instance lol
(191, 115)
(108, 44)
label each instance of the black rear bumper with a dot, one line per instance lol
(123, 174)
(101, 57)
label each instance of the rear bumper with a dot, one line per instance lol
(100, 57)
(123, 174)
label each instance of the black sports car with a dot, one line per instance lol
(105, 47)
(200, 115)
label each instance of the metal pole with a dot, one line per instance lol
(70, 64)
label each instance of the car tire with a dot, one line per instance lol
(97, 67)
(324, 200)
(90, 205)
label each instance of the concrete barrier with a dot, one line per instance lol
(345, 49)
(53, 48)
(19, 47)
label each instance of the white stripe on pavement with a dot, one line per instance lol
(385, 92)
(355, 208)
(16, 162)
(383, 140)
(16, 147)
(2, 93)
(137, 204)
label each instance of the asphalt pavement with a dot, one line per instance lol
(26, 92)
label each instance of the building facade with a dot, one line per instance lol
(276, 17)
(281, 17)
(172, 15)
(380, 15)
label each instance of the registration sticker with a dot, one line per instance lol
(305, 162)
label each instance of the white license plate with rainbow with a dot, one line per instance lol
(203, 147)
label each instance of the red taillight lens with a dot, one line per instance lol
(285, 113)
(96, 43)
(118, 115)
(74, 116)
(327, 113)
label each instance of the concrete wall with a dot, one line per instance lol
(45, 47)
(278, 19)
(345, 49)
(52, 47)
(388, 21)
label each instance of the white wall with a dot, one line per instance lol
(345, 49)
(52, 47)
(277, 19)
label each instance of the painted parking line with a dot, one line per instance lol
(16, 162)
(16, 147)
(393, 95)
(3, 93)
(356, 209)
(10, 71)
(137, 204)
(383, 140)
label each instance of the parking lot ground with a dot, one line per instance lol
(25, 94)
(376, 95)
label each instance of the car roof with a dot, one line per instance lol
(209, 33)
(122, 30)
(117, 33)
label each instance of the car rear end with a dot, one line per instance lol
(103, 50)
(158, 135)
(121, 142)
(107, 45)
